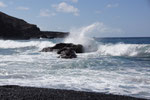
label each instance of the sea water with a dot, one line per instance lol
(118, 66)
(109, 65)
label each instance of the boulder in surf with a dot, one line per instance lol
(66, 50)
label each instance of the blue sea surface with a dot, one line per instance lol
(126, 40)
(115, 65)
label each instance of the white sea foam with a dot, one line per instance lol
(18, 44)
(121, 49)
(97, 73)
(82, 79)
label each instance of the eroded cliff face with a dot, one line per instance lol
(15, 28)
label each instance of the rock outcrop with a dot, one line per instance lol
(66, 50)
(77, 48)
(14, 28)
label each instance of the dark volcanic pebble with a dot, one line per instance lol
(13, 92)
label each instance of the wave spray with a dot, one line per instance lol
(80, 36)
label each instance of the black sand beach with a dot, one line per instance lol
(13, 92)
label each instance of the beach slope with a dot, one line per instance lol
(13, 92)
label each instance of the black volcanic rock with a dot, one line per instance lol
(66, 50)
(77, 48)
(14, 28)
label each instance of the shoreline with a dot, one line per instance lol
(15, 92)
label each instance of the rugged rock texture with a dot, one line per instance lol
(14, 28)
(66, 50)
(77, 48)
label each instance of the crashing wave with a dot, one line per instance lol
(121, 49)
(24, 43)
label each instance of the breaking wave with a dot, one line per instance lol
(79, 36)
(120, 49)
(99, 49)
(24, 43)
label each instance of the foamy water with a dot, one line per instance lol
(113, 68)
(119, 68)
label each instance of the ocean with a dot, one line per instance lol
(109, 65)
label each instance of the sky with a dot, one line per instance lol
(110, 18)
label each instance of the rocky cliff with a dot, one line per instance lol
(15, 28)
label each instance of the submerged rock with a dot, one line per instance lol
(66, 50)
